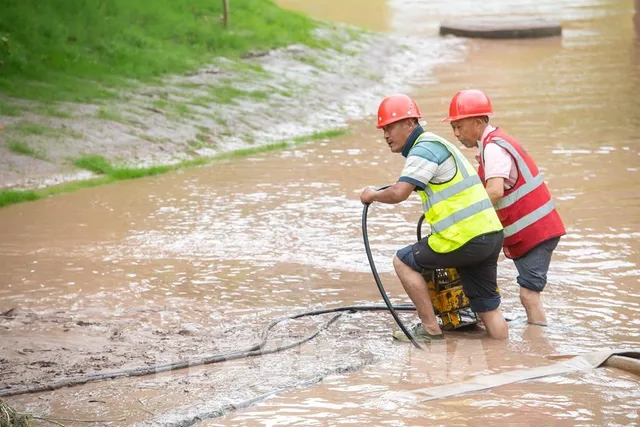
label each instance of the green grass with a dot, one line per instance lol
(312, 61)
(203, 137)
(160, 104)
(189, 85)
(244, 152)
(183, 110)
(114, 116)
(56, 50)
(52, 111)
(146, 137)
(10, 197)
(286, 93)
(100, 165)
(30, 128)
(321, 135)
(259, 95)
(196, 144)
(96, 164)
(228, 94)
(20, 147)
(9, 109)
(245, 66)
(110, 173)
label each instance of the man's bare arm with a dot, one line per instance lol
(398, 192)
(495, 189)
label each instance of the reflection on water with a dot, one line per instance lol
(199, 261)
(370, 14)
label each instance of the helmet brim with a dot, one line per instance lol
(464, 116)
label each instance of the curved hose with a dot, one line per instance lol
(419, 228)
(255, 350)
(376, 277)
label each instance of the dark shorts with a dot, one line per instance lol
(476, 262)
(534, 265)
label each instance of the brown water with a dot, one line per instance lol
(200, 261)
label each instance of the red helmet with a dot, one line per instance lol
(469, 103)
(396, 107)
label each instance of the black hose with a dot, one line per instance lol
(376, 277)
(419, 228)
(255, 350)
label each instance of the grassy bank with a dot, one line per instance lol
(56, 50)
(110, 173)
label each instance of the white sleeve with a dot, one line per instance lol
(418, 171)
(497, 162)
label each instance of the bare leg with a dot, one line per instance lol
(495, 324)
(416, 287)
(532, 304)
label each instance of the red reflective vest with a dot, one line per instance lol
(527, 211)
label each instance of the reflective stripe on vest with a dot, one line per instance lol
(458, 187)
(529, 219)
(467, 182)
(458, 216)
(531, 183)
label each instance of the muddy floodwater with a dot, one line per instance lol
(199, 261)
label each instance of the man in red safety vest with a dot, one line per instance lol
(532, 225)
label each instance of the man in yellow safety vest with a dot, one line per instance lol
(466, 233)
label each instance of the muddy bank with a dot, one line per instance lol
(78, 348)
(260, 99)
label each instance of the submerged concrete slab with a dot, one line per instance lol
(501, 28)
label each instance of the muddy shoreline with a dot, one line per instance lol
(79, 349)
(260, 99)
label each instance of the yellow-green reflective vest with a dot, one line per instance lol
(457, 210)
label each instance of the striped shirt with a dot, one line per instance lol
(427, 161)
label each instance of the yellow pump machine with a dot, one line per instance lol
(450, 303)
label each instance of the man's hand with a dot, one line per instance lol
(398, 192)
(366, 197)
